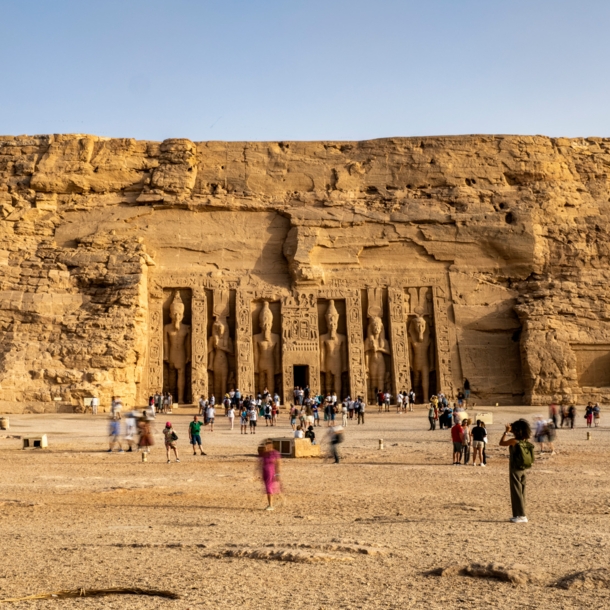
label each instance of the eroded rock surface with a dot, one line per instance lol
(502, 241)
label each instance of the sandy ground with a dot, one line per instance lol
(361, 534)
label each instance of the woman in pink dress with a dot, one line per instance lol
(270, 469)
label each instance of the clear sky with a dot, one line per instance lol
(304, 69)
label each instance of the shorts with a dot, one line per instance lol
(293, 421)
(309, 419)
(171, 445)
(196, 439)
(211, 420)
(267, 416)
(253, 424)
(244, 422)
(478, 444)
(466, 394)
(457, 447)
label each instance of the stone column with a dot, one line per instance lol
(244, 357)
(199, 350)
(355, 344)
(399, 340)
(443, 343)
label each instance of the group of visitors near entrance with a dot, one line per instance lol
(307, 411)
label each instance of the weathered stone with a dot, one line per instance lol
(499, 244)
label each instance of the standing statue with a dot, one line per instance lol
(375, 346)
(333, 352)
(220, 347)
(266, 351)
(177, 343)
(420, 347)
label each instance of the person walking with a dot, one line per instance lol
(243, 417)
(270, 471)
(252, 418)
(361, 407)
(466, 440)
(478, 443)
(146, 440)
(130, 429)
(432, 415)
(336, 437)
(457, 437)
(231, 415)
(572, 415)
(521, 458)
(195, 435)
(170, 441)
(211, 414)
(589, 415)
(114, 432)
(95, 403)
(344, 414)
(596, 414)
(466, 385)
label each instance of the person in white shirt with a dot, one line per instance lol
(211, 412)
(202, 406)
(298, 433)
(231, 416)
(252, 417)
(95, 403)
(344, 414)
(399, 403)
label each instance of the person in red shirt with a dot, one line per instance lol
(457, 436)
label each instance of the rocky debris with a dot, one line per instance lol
(278, 554)
(517, 574)
(597, 578)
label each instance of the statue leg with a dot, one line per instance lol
(417, 383)
(181, 381)
(425, 383)
(337, 384)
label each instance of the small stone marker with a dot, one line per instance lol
(4, 423)
(37, 442)
(380, 444)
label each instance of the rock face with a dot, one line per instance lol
(499, 243)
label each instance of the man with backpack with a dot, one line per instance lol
(520, 460)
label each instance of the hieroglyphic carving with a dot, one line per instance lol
(355, 344)
(155, 342)
(398, 339)
(300, 339)
(243, 343)
(443, 342)
(199, 323)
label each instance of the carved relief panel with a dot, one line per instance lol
(300, 343)
(244, 360)
(399, 341)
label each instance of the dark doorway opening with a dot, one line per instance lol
(301, 375)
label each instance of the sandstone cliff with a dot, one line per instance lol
(518, 224)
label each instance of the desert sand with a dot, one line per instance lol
(362, 534)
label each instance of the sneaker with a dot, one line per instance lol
(269, 508)
(483, 465)
(177, 461)
(518, 520)
(121, 451)
(169, 461)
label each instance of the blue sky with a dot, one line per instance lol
(304, 70)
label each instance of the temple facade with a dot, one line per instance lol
(133, 267)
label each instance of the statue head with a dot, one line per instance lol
(265, 318)
(419, 326)
(375, 326)
(176, 309)
(332, 317)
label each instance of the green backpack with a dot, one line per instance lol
(522, 455)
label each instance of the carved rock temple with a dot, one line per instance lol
(130, 267)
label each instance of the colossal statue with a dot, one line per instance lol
(220, 347)
(177, 343)
(333, 352)
(266, 352)
(375, 346)
(420, 347)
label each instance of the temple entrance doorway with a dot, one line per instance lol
(301, 375)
